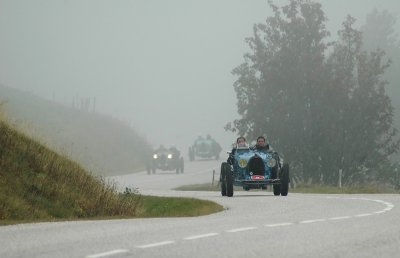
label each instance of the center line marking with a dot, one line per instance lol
(113, 252)
(311, 221)
(337, 218)
(156, 244)
(200, 236)
(363, 215)
(240, 229)
(279, 224)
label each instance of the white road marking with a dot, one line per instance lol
(338, 218)
(156, 244)
(240, 229)
(363, 215)
(311, 221)
(113, 252)
(200, 236)
(279, 224)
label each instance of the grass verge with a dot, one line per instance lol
(153, 206)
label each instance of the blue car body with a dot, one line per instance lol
(253, 168)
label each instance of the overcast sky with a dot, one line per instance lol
(165, 66)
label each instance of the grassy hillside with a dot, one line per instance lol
(37, 184)
(99, 143)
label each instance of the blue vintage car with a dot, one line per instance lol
(254, 169)
(204, 148)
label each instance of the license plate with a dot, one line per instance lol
(257, 177)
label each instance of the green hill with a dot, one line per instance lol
(39, 184)
(102, 144)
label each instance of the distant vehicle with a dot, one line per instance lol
(205, 148)
(254, 169)
(166, 159)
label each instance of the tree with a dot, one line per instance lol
(325, 112)
(276, 84)
(379, 33)
(365, 135)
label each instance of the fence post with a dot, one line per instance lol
(212, 183)
(340, 178)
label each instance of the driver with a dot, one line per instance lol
(240, 142)
(174, 151)
(260, 145)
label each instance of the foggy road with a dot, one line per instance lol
(253, 224)
(196, 172)
(105, 82)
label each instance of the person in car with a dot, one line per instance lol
(161, 149)
(261, 145)
(174, 151)
(240, 142)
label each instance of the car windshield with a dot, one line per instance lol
(242, 146)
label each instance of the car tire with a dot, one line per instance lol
(284, 180)
(222, 180)
(277, 189)
(182, 166)
(229, 181)
(191, 154)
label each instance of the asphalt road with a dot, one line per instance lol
(253, 224)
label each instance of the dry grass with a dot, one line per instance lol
(37, 183)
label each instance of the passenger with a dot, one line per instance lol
(175, 152)
(240, 142)
(260, 145)
(161, 149)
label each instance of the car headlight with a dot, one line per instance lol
(271, 162)
(170, 156)
(155, 156)
(242, 163)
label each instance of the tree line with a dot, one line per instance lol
(322, 104)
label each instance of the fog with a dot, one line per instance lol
(163, 66)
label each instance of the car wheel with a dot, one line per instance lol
(191, 154)
(222, 180)
(277, 189)
(182, 165)
(285, 180)
(229, 181)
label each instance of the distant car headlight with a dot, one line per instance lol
(271, 162)
(155, 156)
(169, 156)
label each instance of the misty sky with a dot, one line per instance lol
(165, 66)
